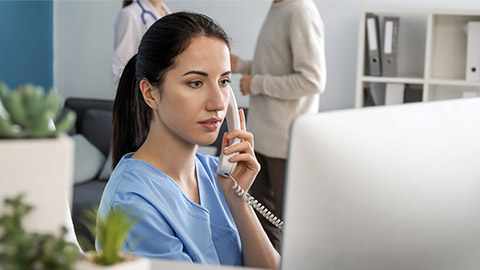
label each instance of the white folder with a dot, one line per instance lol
(473, 51)
(394, 93)
(469, 94)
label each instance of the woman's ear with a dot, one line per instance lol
(148, 94)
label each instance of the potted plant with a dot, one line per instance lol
(111, 233)
(35, 156)
(21, 249)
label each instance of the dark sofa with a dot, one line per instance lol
(94, 117)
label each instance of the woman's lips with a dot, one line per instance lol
(211, 124)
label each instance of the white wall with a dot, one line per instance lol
(83, 40)
(83, 47)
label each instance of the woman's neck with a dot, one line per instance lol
(170, 155)
(158, 5)
(175, 158)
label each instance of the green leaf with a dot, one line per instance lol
(66, 124)
(25, 250)
(7, 129)
(16, 108)
(111, 232)
(52, 103)
(32, 97)
(41, 126)
(4, 93)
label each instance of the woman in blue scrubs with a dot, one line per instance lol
(172, 97)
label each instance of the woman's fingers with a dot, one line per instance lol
(242, 147)
(248, 160)
(242, 134)
(241, 113)
(234, 134)
(225, 141)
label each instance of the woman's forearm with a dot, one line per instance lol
(257, 248)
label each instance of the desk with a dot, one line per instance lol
(164, 264)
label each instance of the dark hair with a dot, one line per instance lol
(161, 44)
(126, 2)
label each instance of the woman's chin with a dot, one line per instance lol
(207, 141)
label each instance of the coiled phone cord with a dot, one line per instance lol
(256, 205)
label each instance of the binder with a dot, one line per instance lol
(394, 93)
(373, 45)
(368, 100)
(390, 44)
(412, 93)
(374, 94)
(473, 51)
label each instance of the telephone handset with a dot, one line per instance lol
(226, 168)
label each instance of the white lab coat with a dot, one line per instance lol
(129, 30)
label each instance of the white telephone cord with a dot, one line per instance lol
(256, 205)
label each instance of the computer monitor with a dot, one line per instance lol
(395, 187)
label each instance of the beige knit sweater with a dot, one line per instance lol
(289, 73)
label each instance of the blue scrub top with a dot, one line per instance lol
(171, 225)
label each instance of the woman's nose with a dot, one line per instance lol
(216, 99)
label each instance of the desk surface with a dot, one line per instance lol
(163, 264)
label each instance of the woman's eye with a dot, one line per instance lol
(225, 82)
(195, 84)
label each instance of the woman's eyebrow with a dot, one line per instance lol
(196, 72)
(226, 73)
(204, 73)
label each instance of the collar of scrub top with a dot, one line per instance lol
(144, 11)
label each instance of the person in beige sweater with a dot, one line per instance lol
(284, 79)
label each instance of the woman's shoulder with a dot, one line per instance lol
(207, 167)
(134, 175)
(132, 7)
(131, 11)
(207, 161)
(128, 165)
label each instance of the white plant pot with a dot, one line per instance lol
(42, 169)
(134, 263)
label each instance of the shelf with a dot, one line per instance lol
(454, 83)
(449, 91)
(449, 43)
(392, 80)
(431, 55)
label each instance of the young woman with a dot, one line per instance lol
(172, 97)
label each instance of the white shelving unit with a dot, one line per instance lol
(431, 54)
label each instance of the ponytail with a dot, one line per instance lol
(131, 115)
(127, 2)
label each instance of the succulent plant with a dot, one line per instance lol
(111, 232)
(21, 249)
(29, 112)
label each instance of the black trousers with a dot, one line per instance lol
(268, 189)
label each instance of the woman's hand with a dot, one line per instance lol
(247, 164)
(245, 82)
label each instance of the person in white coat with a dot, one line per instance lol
(132, 22)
